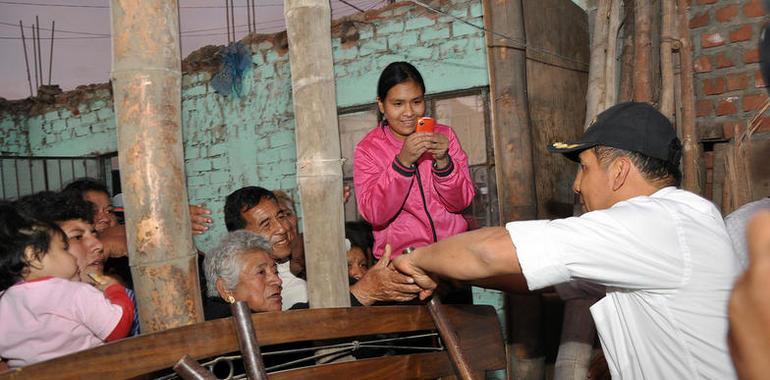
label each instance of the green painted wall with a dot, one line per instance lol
(230, 142)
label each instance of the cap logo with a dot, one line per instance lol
(561, 145)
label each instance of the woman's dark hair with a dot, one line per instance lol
(360, 235)
(241, 200)
(396, 73)
(18, 232)
(54, 207)
(86, 184)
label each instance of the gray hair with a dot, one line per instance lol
(224, 261)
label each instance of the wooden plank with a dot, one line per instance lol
(556, 113)
(477, 328)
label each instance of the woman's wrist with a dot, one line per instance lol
(441, 163)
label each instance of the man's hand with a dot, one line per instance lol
(749, 308)
(382, 283)
(405, 264)
(199, 219)
(114, 241)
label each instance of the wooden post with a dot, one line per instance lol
(611, 63)
(319, 167)
(626, 92)
(642, 51)
(146, 80)
(691, 149)
(667, 61)
(506, 59)
(596, 70)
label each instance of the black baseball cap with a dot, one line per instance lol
(632, 126)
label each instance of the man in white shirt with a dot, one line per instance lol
(662, 253)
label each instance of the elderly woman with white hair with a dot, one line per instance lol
(241, 269)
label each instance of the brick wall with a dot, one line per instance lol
(728, 87)
(230, 142)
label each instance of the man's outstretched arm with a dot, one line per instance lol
(475, 255)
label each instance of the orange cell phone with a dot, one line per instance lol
(425, 124)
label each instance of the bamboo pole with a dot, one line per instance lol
(596, 69)
(691, 150)
(146, 80)
(642, 52)
(319, 167)
(666, 105)
(610, 65)
(626, 92)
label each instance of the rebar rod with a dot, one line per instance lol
(26, 59)
(459, 362)
(50, 56)
(247, 340)
(188, 369)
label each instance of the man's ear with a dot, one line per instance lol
(619, 172)
(222, 290)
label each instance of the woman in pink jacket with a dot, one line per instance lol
(411, 186)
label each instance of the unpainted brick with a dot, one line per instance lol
(744, 33)
(737, 81)
(728, 128)
(754, 102)
(700, 20)
(759, 81)
(704, 107)
(751, 56)
(723, 60)
(727, 106)
(714, 86)
(702, 64)
(726, 13)
(712, 40)
(753, 9)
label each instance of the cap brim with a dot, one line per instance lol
(571, 151)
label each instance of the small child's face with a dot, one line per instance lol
(57, 262)
(357, 264)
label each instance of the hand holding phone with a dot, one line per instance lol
(425, 124)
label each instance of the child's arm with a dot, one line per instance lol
(116, 294)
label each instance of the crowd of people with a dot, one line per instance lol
(664, 255)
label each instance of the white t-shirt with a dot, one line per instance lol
(47, 318)
(668, 266)
(294, 288)
(736, 227)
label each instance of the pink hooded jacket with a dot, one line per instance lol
(389, 197)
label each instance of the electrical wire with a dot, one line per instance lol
(107, 6)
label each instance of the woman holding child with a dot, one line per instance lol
(45, 309)
(411, 186)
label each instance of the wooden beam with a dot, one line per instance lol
(691, 150)
(146, 80)
(319, 166)
(512, 135)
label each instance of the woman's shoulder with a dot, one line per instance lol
(372, 140)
